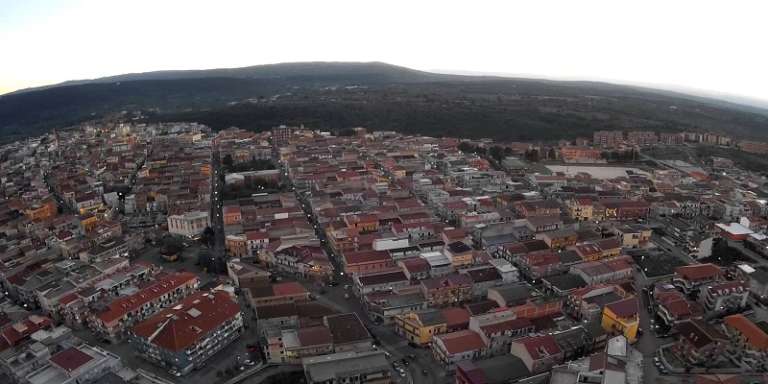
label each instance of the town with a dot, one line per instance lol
(157, 253)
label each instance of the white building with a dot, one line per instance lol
(189, 224)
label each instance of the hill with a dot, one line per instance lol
(375, 95)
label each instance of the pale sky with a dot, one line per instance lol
(709, 45)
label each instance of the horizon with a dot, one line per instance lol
(652, 44)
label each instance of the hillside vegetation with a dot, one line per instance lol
(374, 95)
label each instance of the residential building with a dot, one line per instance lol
(371, 367)
(185, 336)
(124, 312)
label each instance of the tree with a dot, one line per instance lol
(208, 236)
(532, 155)
(227, 161)
(466, 147)
(496, 152)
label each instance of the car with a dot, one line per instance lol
(249, 363)
(412, 356)
(175, 373)
(424, 372)
(405, 362)
(333, 283)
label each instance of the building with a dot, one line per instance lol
(496, 370)
(573, 154)
(633, 235)
(281, 136)
(622, 317)
(75, 365)
(749, 342)
(692, 277)
(451, 348)
(419, 327)
(726, 296)
(363, 262)
(700, 343)
(447, 290)
(125, 311)
(280, 293)
(538, 353)
(607, 139)
(369, 367)
(190, 224)
(348, 332)
(184, 336)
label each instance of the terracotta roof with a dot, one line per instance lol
(626, 308)
(415, 264)
(698, 272)
(461, 341)
(540, 347)
(288, 288)
(347, 328)
(455, 317)
(754, 335)
(382, 278)
(121, 306)
(314, 336)
(256, 235)
(179, 327)
(361, 257)
(507, 325)
(70, 359)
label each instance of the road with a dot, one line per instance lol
(217, 195)
(391, 342)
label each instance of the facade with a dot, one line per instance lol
(184, 336)
(451, 348)
(125, 311)
(622, 317)
(369, 367)
(420, 327)
(538, 353)
(189, 224)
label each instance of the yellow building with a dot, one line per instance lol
(460, 254)
(580, 209)
(622, 317)
(88, 223)
(633, 236)
(419, 327)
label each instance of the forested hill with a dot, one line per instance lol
(375, 95)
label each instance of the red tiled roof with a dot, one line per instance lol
(366, 257)
(754, 335)
(534, 345)
(698, 271)
(314, 336)
(507, 325)
(256, 235)
(415, 264)
(191, 319)
(70, 359)
(119, 307)
(626, 308)
(455, 317)
(288, 288)
(461, 341)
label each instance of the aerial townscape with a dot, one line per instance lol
(171, 252)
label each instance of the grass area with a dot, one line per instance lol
(724, 255)
(657, 263)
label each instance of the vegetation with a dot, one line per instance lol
(377, 96)
(253, 165)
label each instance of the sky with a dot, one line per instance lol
(717, 46)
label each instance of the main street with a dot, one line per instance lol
(424, 368)
(217, 196)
